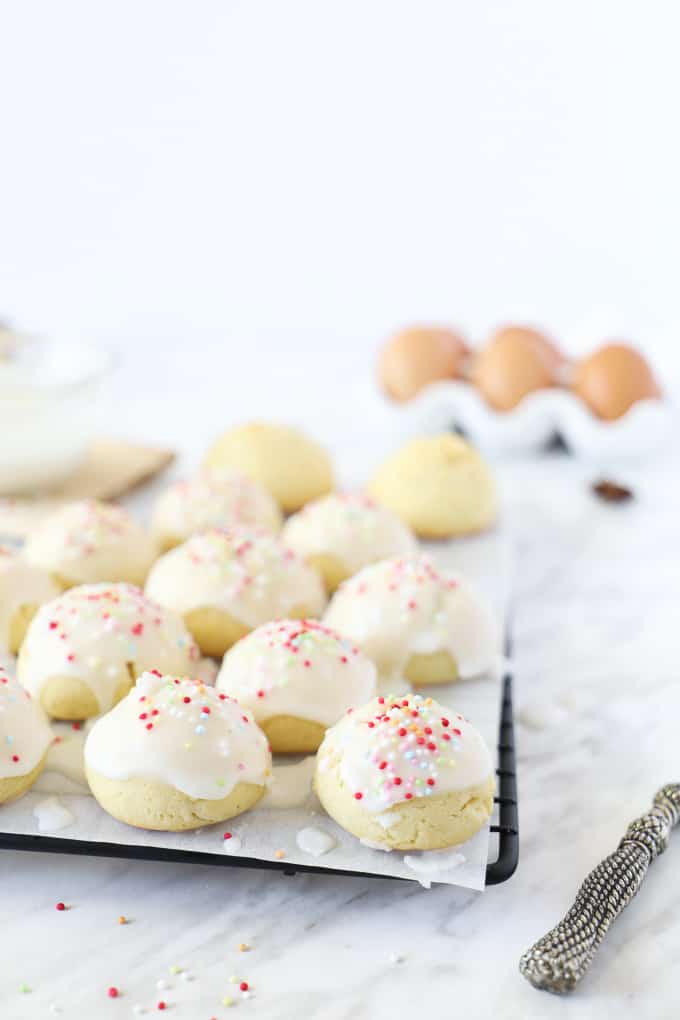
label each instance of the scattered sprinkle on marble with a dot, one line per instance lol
(314, 841)
(113, 992)
(227, 1000)
(138, 1009)
(243, 947)
(279, 854)
(123, 919)
(51, 815)
(396, 958)
(162, 985)
(24, 989)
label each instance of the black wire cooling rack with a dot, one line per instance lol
(505, 831)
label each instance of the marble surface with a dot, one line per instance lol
(598, 703)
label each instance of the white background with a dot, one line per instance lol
(303, 177)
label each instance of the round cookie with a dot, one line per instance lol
(23, 588)
(24, 739)
(341, 533)
(290, 465)
(297, 677)
(416, 621)
(84, 650)
(438, 485)
(175, 754)
(88, 541)
(212, 498)
(224, 583)
(404, 773)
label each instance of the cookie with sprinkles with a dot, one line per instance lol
(23, 588)
(87, 541)
(85, 649)
(25, 737)
(213, 498)
(176, 754)
(344, 532)
(405, 773)
(297, 677)
(225, 582)
(416, 621)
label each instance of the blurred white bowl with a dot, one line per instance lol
(48, 396)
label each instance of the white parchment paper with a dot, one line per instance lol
(270, 832)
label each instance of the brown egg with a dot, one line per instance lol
(418, 356)
(612, 379)
(516, 361)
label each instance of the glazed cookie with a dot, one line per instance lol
(290, 465)
(175, 754)
(24, 739)
(438, 485)
(84, 650)
(23, 588)
(404, 773)
(414, 620)
(297, 677)
(212, 499)
(224, 583)
(87, 541)
(340, 534)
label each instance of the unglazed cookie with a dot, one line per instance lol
(290, 465)
(87, 541)
(176, 754)
(212, 499)
(24, 739)
(340, 534)
(416, 621)
(438, 485)
(83, 651)
(23, 588)
(224, 583)
(297, 677)
(404, 773)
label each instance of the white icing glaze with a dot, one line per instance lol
(350, 527)
(396, 749)
(24, 731)
(95, 632)
(21, 584)
(51, 815)
(251, 575)
(298, 668)
(89, 541)
(431, 863)
(232, 845)
(181, 733)
(315, 841)
(291, 785)
(403, 606)
(65, 755)
(214, 498)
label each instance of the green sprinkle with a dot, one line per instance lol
(175, 969)
(24, 989)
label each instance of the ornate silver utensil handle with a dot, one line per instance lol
(558, 961)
